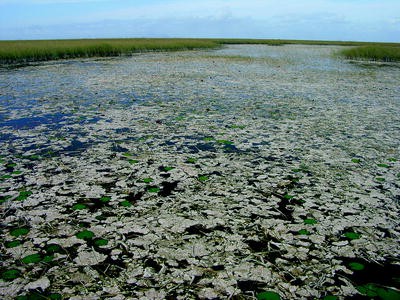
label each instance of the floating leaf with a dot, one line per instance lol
(356, 160)
(19, 231)
(352, 235)
(17, 172)
(380, 179)
(303, 232)
(288, 197)
(125, 204)
(55, 296)
(53, 248)
(191, 160)
(166, 169)
(225, 142)
(32, 259)
(79, 206)
(105, 199)
(153, 189)
(11, 165)
(238, 126)
(202, 178)
(23, 195)
(392, 159)
(101, 242)
(355, 266)
(11, 274)
(12, 244)
(133, 161)
(208, 139)
(85, 235)
(268, 296)
(48, 258)
(383, 165)
(127, 154)
(147, 180)
(310, 221)
(6, 177)
(330, 297)
(373, 290)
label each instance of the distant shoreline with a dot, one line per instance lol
(27, 51)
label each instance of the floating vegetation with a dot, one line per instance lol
(383, 165)
(19, 231)
(372, 290)
(310, 221)
(203, 178)
(153, 189)
(11, 274)
(79, 206)
(352, 235)
(32, 259)
(85, 235)
(257, 187)
(380, 179)
(268, 296)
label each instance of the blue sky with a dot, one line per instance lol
(361, 20)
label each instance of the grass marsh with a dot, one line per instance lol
(16, 52)
(375, 53)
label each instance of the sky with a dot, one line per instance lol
(344, 20)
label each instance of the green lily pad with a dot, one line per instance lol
(53, 248)
(11, 274)
(23, 195)
(167, 169)
(268, 296)
(32, 259)
(19, 231)
(48, 258)
(392, 159)
(191, 160)
(133, 161)
(303, 232)
(147, 180)
(85, 235)
(383, 165)
(352, 235)
(330, 297)
(17, 172)
(11, 165)
(202, 178)
(125, 203)
(356, 160)
(153, 189)
(105, 199)
(12, 244)
(101, 242)
(355, 266)
(373, 290)
(55, 296)
(79, 206)
(225, 142)
(288, 197)
(310, 221)
(238, 126)
(127, 154)
(380, 179)
(6, 177)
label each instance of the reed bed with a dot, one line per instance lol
(20, 52)
(374, 53)
(31, 51)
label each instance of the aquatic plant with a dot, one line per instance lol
(153, 189)
(310, 221)
(268, 295)
(352, 235)
(105, 199)
(12, 244)
(372, 290)
(19, 231)
(101, 242)
(10, 275)
(374, 53)
(85, 235)
(31, 259)
(356, 160)
(23, 195)
(355, 266)
(79, 206)
(125, 203)
(202, 178)
(147, 180)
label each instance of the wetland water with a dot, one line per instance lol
(203, 174)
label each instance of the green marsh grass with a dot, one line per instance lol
(43, 50)
(21, 52)
(374, 53)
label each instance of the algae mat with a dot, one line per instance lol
(247, 172)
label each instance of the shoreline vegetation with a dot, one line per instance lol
(23, 52)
